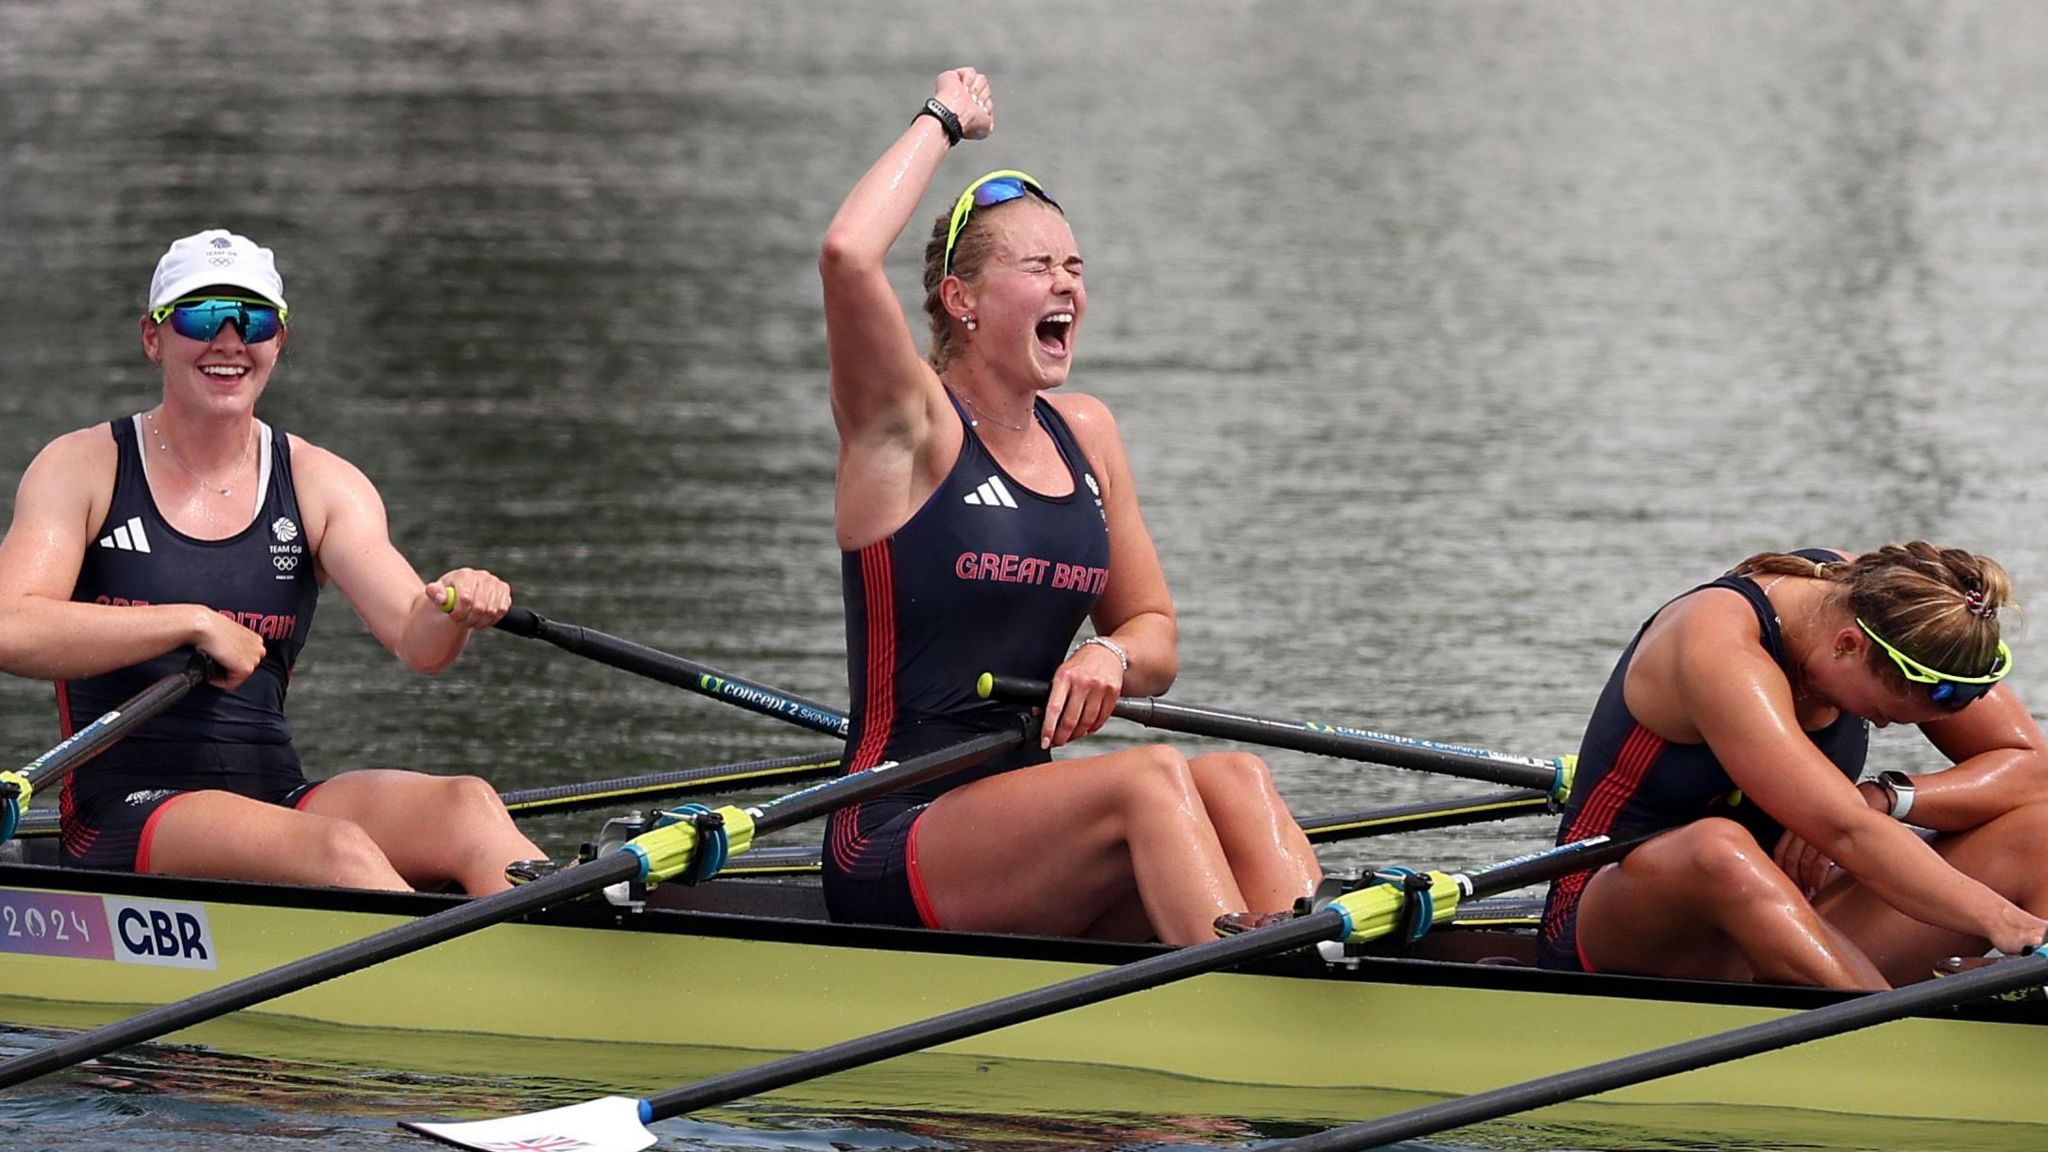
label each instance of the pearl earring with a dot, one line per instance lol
(968, 319)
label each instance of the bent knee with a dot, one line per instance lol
(469, 793)
(1158, 773)
(1232, 774)
(1722, 855)
(344, 854)
(2009, 853)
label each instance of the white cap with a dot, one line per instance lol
(215, 256)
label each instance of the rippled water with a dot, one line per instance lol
(1448, 340)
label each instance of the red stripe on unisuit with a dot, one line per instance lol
(1631, 765)
(148, 836)
(878, 710)
(879, 577)
(1621, 783)
(918, 895)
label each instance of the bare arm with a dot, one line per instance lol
(885, 398)
(352, 542)
(1135, 610)
(63, 497)
(2001, 763)
(1743, 707)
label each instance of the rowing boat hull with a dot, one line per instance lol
(1294, 1037)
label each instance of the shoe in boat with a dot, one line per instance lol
(1956, 965)
(1239, 923)
(521, 872)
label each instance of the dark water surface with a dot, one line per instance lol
(1448, 341)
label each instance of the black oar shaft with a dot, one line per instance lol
(17, 788)
(1090, 989)
(1212, 956)
(821, 799)
(1420, 816)
(1815, 1024)
(475, 915)
(598, 793)
(1395, 819)
(555, 798)
(102, 732)
(1321, 740)
(655, 664)
(1425, 815)
(310, 970)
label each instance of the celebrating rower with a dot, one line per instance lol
(1739, 717)
(981, 521)
(196, 524)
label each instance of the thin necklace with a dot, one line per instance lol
(164, 445)
(980, 415)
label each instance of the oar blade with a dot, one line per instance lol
(609, 1124)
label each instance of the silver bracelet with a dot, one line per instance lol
(1123, 658)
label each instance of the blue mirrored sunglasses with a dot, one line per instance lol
(256, 320)
(995, 188)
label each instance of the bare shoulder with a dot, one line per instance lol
(1712, 637)
(1091, 421)
(330, 488)
(93, 444)
(319, 472)
(1709, 615)
(1080, 407)
(82, 462)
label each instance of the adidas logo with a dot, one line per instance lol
(991, 493)
(128, 537)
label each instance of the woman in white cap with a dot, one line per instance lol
(196, 525)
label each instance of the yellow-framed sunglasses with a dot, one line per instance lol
(1944, 688)
(997, 187)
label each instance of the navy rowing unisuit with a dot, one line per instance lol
(1631, 780)
(988, 576)
(263, 577)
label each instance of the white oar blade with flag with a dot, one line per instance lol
(609, 1124)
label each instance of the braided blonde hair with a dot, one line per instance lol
(1937, 605)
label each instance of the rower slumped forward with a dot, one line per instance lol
(196, 525)
(1739, 718)
(982, 517)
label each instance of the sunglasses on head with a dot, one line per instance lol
(256, 320)
(1944, 688)
(994, 188)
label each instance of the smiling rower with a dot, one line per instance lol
(194, 524)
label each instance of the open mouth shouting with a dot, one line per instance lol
(1056, 334)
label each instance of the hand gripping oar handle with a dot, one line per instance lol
(1552, 777)
(17, 787)
(1370, 913)
(657, 855)
(1813, 1024)
(655, 664)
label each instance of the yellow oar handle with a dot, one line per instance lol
(11, 807)
(670, 851)
(1383, 909)
(1567, 775)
